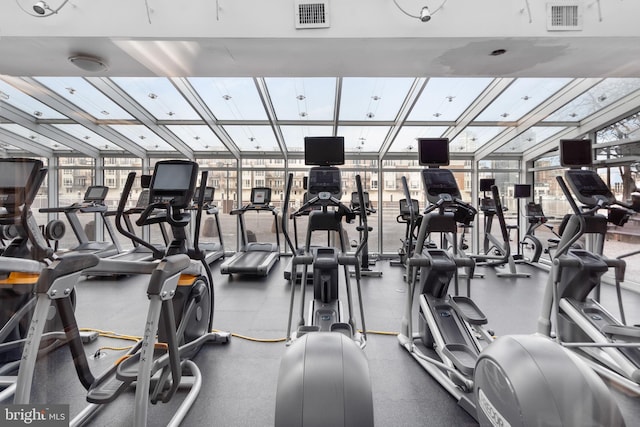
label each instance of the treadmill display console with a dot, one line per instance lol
(260, 196)
(16, 175)
(96, 193)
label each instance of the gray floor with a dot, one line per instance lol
(240, 377)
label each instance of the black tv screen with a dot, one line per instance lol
(324, 150)
(433, 151)
(575, 153)
(521, 191)
(486, 183)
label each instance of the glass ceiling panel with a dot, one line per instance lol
(88, 137)
(372, 98)
(35, 137)
(143, 136)
(474, 137)
(253, 138)
(86, 97)
(158, 96)
(604, 93)
(529, 139)
(24, 102)
(230, 98)
(198, 137)
(445, 99)
(302, 98)
(522, 96)
(366, 139)
(406, 138)
(294, 135)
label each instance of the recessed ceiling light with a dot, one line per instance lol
(300, 97)
(303, 114)
(89, 63)
(70, 90)
(37, 113)
(152, 95)
(4, 95)
(226, 97)
(104, 112)
(450, 98)
(376, 98)
(498, 52)
(370, 115)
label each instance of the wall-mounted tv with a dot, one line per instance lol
(433, 151)
(324, 150)
(575, 153)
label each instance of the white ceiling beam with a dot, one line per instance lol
(409, 102)
(263, 92)
(562, 97)
(43, 94)
(25, 143)
(612, 113)
(336, 106)
(131, 106)
(200, 106)
(27, 121)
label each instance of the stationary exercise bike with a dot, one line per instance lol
(577, 320)
(179, 317)
(412, 224)
(324, 375)
(513, 380)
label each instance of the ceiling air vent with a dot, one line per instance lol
(564, 16)
(312, 14)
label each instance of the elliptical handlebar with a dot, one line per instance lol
(365, 226)
(285, 211)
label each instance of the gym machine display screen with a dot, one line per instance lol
(96, 193)
(433, 151)
(575, 153)
(440, 181)
(328, 180)
(323, 150)
(260, 196)
(588, 184)
(208, 194)
(173, 180)
(15, 176)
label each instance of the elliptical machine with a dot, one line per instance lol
(324, 374)
(179, 316)
(513, 380)
(581, 323)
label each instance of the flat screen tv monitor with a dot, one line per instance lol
(324, 150)
(486, 183)
(433, 151)
(521, 191)
(96, 193)
(575, 153)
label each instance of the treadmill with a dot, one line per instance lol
(254, 258)
(213, 250)
(93, 202)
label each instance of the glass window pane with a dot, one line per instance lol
(445, 99)
(367, 139)
(372, 98)
(24, 102)
(294, 135)
(230, 98)
(302, 98)
(474, 137)
(406, 139)
(253, 138)
(158, 96)
(86, 97)
(88, 137)
(198, 137)
(144, 137)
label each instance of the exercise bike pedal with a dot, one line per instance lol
(468, 310)
(462, 357)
